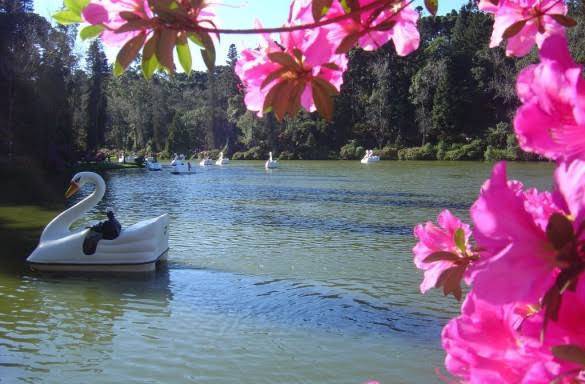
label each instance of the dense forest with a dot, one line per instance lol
(452, 99)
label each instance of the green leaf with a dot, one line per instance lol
(149, 66)
(91, 31)
(432, 6)
(459, 239)
(184, 54)
(76, 6)
(67, 17)
(194, 37)
(559, 230)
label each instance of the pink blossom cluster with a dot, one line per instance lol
(525, 22)
(523, 318)
(315, 58)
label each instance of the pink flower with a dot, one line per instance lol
(551, 121)
(441, 242)
(284, 76)
(372, 28)
(516, 260)
(521, 258)
(107, 13)
(497, 344)
(533, 18)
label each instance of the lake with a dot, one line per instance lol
(299, 275)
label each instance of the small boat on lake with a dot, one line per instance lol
(180, 166)
(271, 164)
(123, 158)
(369, 157)
(138, 247)
(222, 160)
(152, 164)
(206, 162)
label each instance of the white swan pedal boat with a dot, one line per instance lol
(206, 162)
(222, 160)
(181, 167)
(153, 165)
(270, 164)
(370, 157)
(138, 248)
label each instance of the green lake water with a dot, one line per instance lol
(302, 274)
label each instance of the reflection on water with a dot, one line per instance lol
(299, 275)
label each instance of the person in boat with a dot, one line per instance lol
(111, 228)
(106, 230)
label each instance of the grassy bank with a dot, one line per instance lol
(102, 166)
(20, 229)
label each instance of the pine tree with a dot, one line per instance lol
(232, 55)
(97, 66)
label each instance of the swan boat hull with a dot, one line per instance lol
(139, 248)
(182, 168)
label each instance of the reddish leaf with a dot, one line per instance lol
(385, 25)
(572, 353)
(294, 102)
(150, 46)
(332, 66)
(559, 230)
(129, 16)
(323, 92)
(450, 280)
(164, 48)
(514, 29)
(134, 25)
(432, 6)
(208, 54)
(347, 43)
(282, 100)
(441, 256)
(320, 8)
(284, 59)
(327, 86)
(273, 76)
(129, 52)
(564, 20)
(276, 99)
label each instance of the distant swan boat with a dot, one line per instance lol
(370, 157)
(137, 249)
(270, 164)
(222, 160)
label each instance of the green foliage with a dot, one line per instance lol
(496, 154)
(254, 153)
(286, 155)
(451, 89)
(351, 151)
(471, 151)
(387, 153)
(426, 152)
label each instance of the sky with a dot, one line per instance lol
(231, 14)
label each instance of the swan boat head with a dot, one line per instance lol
(137, 248)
